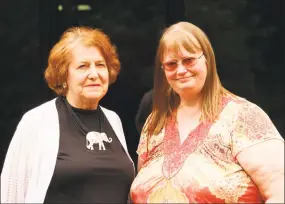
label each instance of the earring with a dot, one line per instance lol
(64, 85)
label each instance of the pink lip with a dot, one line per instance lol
(91, 85)
(184, 78)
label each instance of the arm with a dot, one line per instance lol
(120, 125)
(264, 163)
(142, 151)
(140, 163)
(15, 172)
(259, 149)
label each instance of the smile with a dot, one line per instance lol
(184, 78)
(93, 85)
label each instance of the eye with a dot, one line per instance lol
(82, 66)
(171, 65)
(101, 65)
(189, 61)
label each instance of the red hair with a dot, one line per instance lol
(61, 54)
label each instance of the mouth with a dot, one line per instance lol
(93, 85)
(183, 78)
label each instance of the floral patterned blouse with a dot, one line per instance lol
(203, 169)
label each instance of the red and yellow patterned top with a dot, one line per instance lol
(203, 169)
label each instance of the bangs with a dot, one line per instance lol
(174, 40)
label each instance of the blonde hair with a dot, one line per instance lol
(61, 54)
(165, 100)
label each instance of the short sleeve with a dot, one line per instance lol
(252, 126)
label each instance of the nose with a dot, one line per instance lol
(92, 72)
(181, 69)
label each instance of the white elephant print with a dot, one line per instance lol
(97, 138)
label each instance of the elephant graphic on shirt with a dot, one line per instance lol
(97, 138)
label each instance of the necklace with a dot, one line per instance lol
(92, 137)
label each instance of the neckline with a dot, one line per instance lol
(191, 132)
(84, 111)
(73, 113)
(175, 153)
(172, 133)
(80, 110)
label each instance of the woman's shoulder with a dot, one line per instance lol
(110, 113)
(238, 107)
(46, 109)
(243, 109)
(238, 103)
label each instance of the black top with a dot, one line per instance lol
(84, 175)
(144, 110)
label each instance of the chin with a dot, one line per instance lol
(187, 90)
(184, 88)
(94, 95)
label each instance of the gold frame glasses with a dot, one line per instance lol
(187, 62)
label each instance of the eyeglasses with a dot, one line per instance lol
(187, 62)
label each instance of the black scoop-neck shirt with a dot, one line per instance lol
(82, 175)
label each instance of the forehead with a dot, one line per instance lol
(178, 44)
(81, 52)
(178, 53)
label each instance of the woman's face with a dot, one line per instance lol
(185, 72)
(88, 76)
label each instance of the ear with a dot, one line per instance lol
(64, 85)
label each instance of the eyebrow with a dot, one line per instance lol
(179, 58)
(100, 61)
(86, 61)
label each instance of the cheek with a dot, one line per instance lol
(105, 78)
(204, 74)
(73, 81)
(170, 77)
(201, 72)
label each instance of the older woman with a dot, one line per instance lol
(201, 143)
(71, 149)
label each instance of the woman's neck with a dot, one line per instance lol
(190, 105)
(82, 103)
(190, 101)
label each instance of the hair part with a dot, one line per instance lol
(61, 54)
